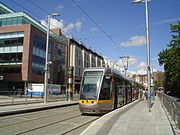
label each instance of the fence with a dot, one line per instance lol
(18, 96)
(172, 107)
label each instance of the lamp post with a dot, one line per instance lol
(147, 49)
(46, 58)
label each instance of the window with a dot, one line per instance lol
(20, 40)
(91, 85)
(8, 22)
(105, 89)
(3, 22)
(14, 21)
(1, 42)
(19, 20)
(10, 69)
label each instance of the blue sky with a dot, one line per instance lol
(123, 21)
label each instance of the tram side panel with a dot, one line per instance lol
(106, 95)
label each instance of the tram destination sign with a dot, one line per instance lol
(93, 73)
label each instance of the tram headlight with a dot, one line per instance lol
(93, 102)
(88, 102)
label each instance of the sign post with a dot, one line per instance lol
(70, 84)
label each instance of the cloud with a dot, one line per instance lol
(59, 7)
(69, 27)
(78, 25)
(93, 29)
(138, 72)
(131, 61)
(54, 23)
(141, 65)
(168, 20)
(134, 41)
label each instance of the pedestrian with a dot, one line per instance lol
(144, 94)
(140, 95)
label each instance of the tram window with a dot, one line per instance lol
(91, 85)
(105, 89)
(120, 87)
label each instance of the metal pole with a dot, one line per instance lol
(125, 66)
(46, 62)
(148, 56)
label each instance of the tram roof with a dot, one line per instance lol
(112, 70)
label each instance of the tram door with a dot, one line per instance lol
(114, 92)
(105, 93)
(120, 92)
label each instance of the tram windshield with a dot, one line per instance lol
(91, 85)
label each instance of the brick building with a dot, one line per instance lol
(22, 51)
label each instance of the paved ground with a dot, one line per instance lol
(21, 105)
(133, 120)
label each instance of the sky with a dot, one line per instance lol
(112, 28)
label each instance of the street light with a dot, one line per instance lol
(147, 49)
(46, 59)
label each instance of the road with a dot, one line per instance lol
(63, 120)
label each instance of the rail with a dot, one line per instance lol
(172, 107)
(14, 97)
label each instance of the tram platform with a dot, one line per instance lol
(133, 119)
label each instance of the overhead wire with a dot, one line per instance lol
(50, 13)
(107, 35)
(25, 9)
(94, 21)
(33, 12)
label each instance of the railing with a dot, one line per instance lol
(13, 97)
(172, 107)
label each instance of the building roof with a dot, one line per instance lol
(10, 13)
(7, 9)
(85, 48)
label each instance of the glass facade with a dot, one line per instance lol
(13, 21)
(60, 56)
(11, 48)
(38, 57)
(59, 63)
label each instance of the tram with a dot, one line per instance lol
(103, 90)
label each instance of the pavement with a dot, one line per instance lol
(133, 119)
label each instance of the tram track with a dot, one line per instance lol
(32, 113)
(46, 120)
(69, 131)
(47, 125)
(27, 120)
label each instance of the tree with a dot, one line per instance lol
(170, 58)
(157, 84)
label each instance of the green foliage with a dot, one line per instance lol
(157, 84)
(170, 58)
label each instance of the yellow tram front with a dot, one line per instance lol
(96, 93)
